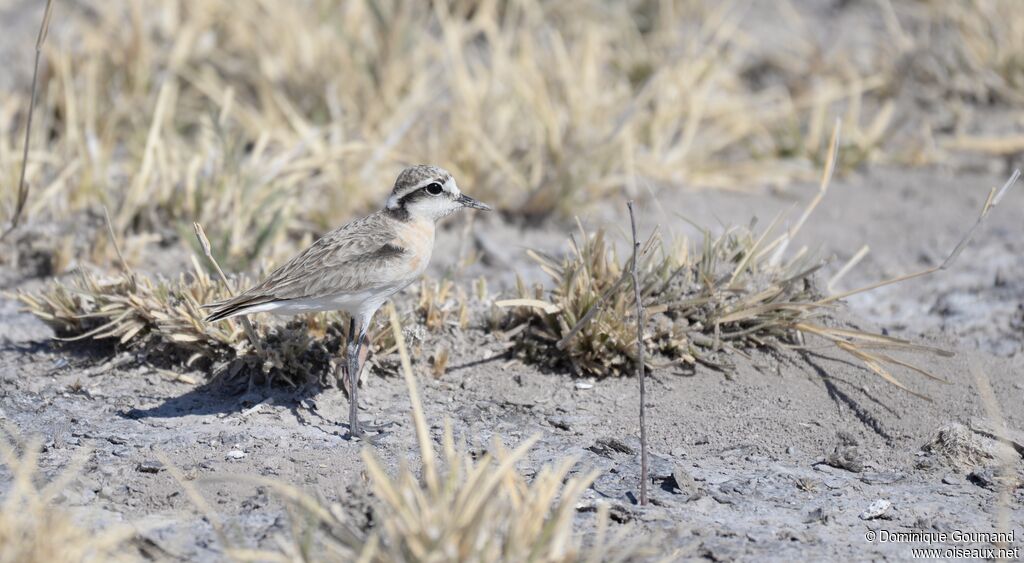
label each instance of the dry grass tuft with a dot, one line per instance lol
(163, 318)
(33, 530)
(961, 448)
(590, 279)
(442, 304)
(473, 510)
(732, 292)
(726, 296)
(464, 508)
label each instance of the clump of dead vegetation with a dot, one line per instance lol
(732, 293)
(458, 507)
(463, 508)
(442, 303)
(960, 447)
(33, 530)
(740, 290)
(163, 319)
(728, 293)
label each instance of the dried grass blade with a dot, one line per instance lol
(874, 364)
(418, 418)
(19, 205)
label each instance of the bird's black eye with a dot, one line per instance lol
(434, 189)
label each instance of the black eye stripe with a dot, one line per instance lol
(417, 194)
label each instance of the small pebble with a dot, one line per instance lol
(149, 466)
(877, 509)
(236, 454)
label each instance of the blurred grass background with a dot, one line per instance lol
(270, 120)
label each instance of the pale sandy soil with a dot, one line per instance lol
(749, 448)
(752, 444)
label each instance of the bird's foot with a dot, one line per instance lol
(371, 433)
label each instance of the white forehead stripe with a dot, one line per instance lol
(451, 187)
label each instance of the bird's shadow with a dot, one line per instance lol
(216, 397)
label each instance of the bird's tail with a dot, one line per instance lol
(238, 305)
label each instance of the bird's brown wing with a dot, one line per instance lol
(361, 255)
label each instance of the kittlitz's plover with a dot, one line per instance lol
(357, 267)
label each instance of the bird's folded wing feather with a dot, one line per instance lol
(356, 257)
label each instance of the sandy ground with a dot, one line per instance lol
(795, 457)
(782, 460)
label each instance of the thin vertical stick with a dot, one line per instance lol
(117, 248)
(22, 186)
(639, 359)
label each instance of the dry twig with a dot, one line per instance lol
(639, 358)
(995, 195)
(19, 205)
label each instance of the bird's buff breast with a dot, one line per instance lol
(417, 238)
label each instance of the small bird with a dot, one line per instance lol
(357, 267)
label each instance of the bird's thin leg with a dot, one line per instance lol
(364, 351)
(343, 367)
(354, 343)
(354, 348)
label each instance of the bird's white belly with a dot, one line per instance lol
(358, 303)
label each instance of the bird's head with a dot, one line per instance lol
(429, 192)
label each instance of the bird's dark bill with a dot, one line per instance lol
(467, 201)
